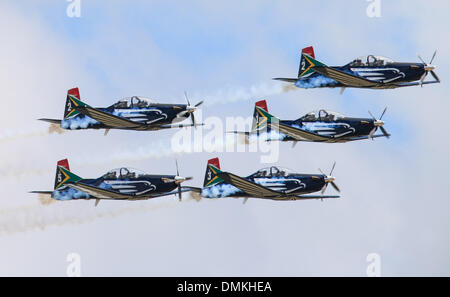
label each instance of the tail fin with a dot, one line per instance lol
(63, 174)
(212, 169)
(307, 61)
(73, 99)
(261, 116)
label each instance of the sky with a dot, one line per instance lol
(394, 191)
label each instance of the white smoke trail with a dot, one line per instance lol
(234, 94)
(34, 217)
(13, 135)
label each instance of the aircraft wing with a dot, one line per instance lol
(346, 78)
(240, 133)
(193, 189)
(307, 197)
(299, 134)
(365, 137)
(168, 193)
(178, 126)
(247, 186)
(108, 118)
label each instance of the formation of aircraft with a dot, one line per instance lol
(275, 183)
(117, 184)
(132, 113)
(373, 72)
(316, 126)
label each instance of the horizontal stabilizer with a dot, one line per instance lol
(289, 80)
(41, 192)
(179, 126)
(53, 121)
(193, 189)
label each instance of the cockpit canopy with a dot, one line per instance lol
(134, 102)
(370, 60)
(273, 171)
(123, 173)
(322, 115)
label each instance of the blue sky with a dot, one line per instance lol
(394, 191)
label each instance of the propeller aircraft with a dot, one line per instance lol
(117, 184)
(273, 183)
(133, 113)
(373, 72)
(317, 126)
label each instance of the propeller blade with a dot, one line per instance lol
(435, 76)
(432, 58)
(384, 132)
(322, 171)
(323, 189)
(176, 164)
(421, 59)
(193, 120)
(179, 193)
(332, 168)
(423, 78)
(371, 115)
(372, 132)
(198, 104)
(187, 99)
(382, 114)
(335, 187)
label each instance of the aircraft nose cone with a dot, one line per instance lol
(378, 123)
(179, 179)
(191, 109)
(329, 179)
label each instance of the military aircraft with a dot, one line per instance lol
(315, 126)
(273, 183)
(117, 184)
(132, 113)
(373, 72)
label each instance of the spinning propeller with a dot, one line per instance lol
(329, 180)
(428, 69)
(378, 124)
(177, 179)
(190, 109)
